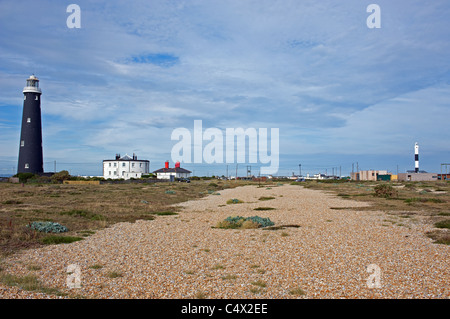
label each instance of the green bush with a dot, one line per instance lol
(24, 177)
(234, 201)
(386, 191)
(60, 176)
(244, 222)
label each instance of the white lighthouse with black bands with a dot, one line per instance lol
(416, 157)
(30, 149)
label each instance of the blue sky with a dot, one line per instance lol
(339, 92)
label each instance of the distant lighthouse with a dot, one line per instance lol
(416, 157)
(30, 150)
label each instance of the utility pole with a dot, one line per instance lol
(235, 177)
(300, 169)
(55, 167)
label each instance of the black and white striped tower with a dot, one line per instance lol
(30, 151)
(416, 157)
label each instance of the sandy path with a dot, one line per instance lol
(182, 256)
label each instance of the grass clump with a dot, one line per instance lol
(28, 283)
(259, 283)
(263, 208)
(297, 292)
(165, 213)
(234, 201)
(443, 224)
(96, 266)
(424, 200)
(54, 239)
(114, 274)
(266, 198)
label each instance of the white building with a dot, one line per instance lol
(125, 167)
(176, 172)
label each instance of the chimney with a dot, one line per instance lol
(177, 165)
(167, 164)
(117, 156)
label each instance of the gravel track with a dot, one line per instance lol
(182, 256)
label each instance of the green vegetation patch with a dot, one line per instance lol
(235, 222)
(263, 208)
(266, 198)
(423, 200)
(28, 283)
(234, 201)
(443, 224)
(48, 227)
(165, 213)
(54, 239)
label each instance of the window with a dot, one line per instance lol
(123, 164)
(37, 97)
(29, 120)
(22, 143)
(109, 164)
(140, 164)
(27, 165)
(115, 173)
(115, 164)
(109, 172)
(24, 97)
(123, 173)
(132, 164)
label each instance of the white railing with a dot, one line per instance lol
(32, 89)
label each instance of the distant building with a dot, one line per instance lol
(369, 175)
(172, 173)
(125, 167)
(417, 177)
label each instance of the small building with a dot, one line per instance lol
(384, 177)
(370, 175)
(172, 173)
(125, 167)
(417, 177)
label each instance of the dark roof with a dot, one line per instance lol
(172, 170)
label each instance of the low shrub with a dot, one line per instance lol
(266, 198)
(386, 191)
(244, 222)
(48, 227)
(234, 201)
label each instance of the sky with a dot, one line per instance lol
(341, 94)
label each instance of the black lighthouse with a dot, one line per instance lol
(30, 151)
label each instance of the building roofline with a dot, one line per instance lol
(125, 160)
(172, 170)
